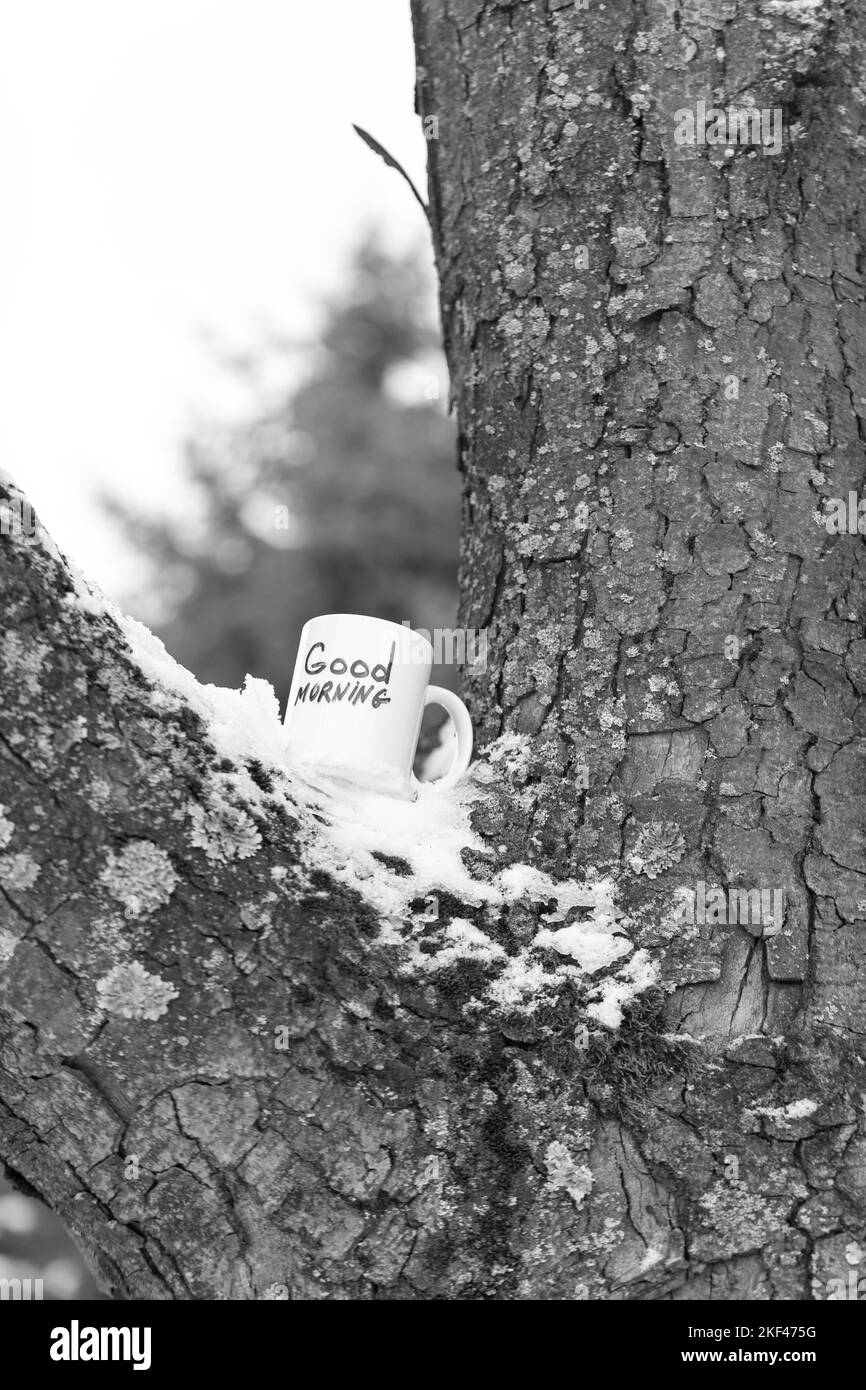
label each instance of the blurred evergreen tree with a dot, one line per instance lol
(340, 497)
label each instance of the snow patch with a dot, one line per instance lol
(636, 976)
(795, 1110)
(525, 984)
(593, 950)
(244, 725)
(465, 942)
(342, 836)
(800, 11)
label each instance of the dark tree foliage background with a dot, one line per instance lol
(370, 485)
(373, 500)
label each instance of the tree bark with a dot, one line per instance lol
(674, 338)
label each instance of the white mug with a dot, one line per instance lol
(358, 693)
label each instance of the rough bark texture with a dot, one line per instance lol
(418, 1140)
(676, 337)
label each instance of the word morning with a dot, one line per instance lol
(350, 692)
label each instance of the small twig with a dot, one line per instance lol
(391, 162)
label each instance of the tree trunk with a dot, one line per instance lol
(659, 359)
(239, 1054)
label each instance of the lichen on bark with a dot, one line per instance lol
(657, 357)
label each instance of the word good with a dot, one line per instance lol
(350, 692)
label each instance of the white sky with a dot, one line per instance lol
(175, 172)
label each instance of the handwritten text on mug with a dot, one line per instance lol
(333, 692)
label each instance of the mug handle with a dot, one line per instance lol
(454, 706)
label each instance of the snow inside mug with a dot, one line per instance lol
(358, 694)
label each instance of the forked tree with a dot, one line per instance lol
(600, 1034)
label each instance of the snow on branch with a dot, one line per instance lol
(394, 854)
